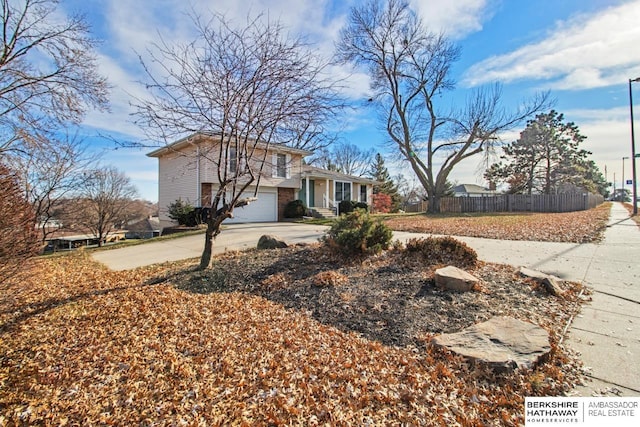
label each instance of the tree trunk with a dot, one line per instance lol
(209, 237)
(214, 221)
(434, 204)
(213, 229)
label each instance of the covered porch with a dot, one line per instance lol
(322, 190)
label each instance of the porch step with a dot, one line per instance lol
(323, 212)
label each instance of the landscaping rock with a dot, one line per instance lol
(455, 279)
(550, 283)
(502, 343)
(271, 242)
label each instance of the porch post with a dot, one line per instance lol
(326, 192)
(333, 191)
(330, 193)
(306, 193)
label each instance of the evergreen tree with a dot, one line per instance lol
(378, 171)
(547, 159)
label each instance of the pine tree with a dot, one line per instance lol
(379, 172)
(547, 159)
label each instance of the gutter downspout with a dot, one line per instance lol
(198, 185)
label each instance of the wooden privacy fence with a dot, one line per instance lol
(514, 203)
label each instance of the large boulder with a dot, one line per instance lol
(267, 241)
(502, 343)
(455, 279)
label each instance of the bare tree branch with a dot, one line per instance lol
(48, 70)
(410, 70)
(247, 88)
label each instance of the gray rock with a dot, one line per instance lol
(502, 343)
(550, 283)
(455, 279)
(267, 241)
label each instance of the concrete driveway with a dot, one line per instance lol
(232, 237)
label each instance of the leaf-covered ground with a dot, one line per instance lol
(571, 227)
(165, 345)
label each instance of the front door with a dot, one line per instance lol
(312, 193)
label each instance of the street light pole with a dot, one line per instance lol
(623, 159)
(634, 202)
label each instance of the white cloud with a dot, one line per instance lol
(608, 135)
(587, 51)
(457, 18)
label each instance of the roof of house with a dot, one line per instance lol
(471, 189)
(312, 171)
(202, 136)
(147, 224)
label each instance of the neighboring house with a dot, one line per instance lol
(186, 172)
(144, 229)
(472, 190)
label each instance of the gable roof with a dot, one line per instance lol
(471, 189)
(199, 137)
(312, 171)
(147, 224)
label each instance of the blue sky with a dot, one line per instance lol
(583, 51)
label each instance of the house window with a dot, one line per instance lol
(343, 191)
(363, 193)
(281, 165)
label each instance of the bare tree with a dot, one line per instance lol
(48, 71)
(343, 157)
(102, 201)
(18, 240)
(351, 159)
(248, 88)
(48, 175)
(410, 69)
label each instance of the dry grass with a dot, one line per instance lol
(575, 227)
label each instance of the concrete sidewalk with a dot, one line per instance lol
(607, 332)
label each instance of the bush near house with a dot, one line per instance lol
(381, 203)
(295, 209)
(182, 212)
(348, 206)
(361, 205)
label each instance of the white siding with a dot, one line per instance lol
(177, 179)
(180, 175)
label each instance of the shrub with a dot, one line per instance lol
(361, 205)
(18, 238)
(182, 212)
(345, 207)
(295, 209)
(356, 233)
(381, 203)
(443, 250)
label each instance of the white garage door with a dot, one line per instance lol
(265, 209)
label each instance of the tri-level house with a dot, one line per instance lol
(187, 171)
